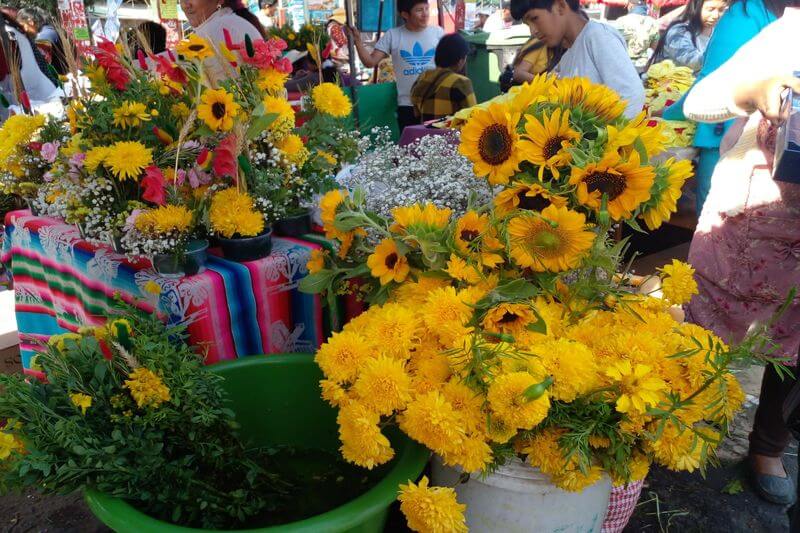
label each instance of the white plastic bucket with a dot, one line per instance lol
(518, 498)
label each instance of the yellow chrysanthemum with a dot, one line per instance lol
(640, 387)
(490, 140)
(334, 393)
(507, 400)
(445, 314)
(531, 197)
(130, 114)
(127, 159)
(431, 509)
(387, 263)
(383, 385)
(233, 213)
(677, 282)
(217, 109)
(420, 218)
(555, 241)
(363, 443)
(180, 110)
(147, 388)
(431, 420)
(81, 401)
(510, 318)
(284, 121)
(329, 98)
(95, 157)
(572, 366)
(272, 80)
(545, 143)
(164, 220)
(292, 147)
(665, 193)
(316, 261)
(195, 47)
(343, 355)
(394, 329)
(626, 184)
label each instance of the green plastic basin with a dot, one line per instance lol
(277, 401)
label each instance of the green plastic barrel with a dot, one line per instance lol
(277, 401)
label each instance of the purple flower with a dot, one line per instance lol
(131, 220)
(50, 151)
(76, 161)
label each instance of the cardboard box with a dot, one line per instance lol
(10, 361)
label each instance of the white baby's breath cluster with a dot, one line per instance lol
(428, 170)
(137, 243)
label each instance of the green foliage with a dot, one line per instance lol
(180, 460)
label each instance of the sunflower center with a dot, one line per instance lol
(508, 318)
(546, 241)
(218, 110)
(495, 144)
(552, 147)
(196, 47)
(536, 202)
(609, 183)
(391, 260)
(469, 235)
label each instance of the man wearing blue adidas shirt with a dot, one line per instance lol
(412, 47)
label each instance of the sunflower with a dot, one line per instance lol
(387, 263)
(195, 47)
(625, 183)
(546, 143)
(592, 97)
(127, 159)
(665, 192)
(130, 114)
(329, 98)
(638, 129)
(489, 139)
(475, 237)
(425, 217)
(531, 197)
(510, 318)
(271, 80)
(532, 92)
(555, 241)
(218, 109)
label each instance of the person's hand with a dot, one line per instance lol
(353, 33)
(766, 96)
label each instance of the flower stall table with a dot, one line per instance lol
(417, 131)
(231, 309)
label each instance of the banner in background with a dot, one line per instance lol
(168, 17)
(73, 19)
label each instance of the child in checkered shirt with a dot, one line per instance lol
(443, 91)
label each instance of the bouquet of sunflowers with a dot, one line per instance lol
(508, 331)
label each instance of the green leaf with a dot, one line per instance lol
(259, 124)
(79, 450)
(358, 271)
(734, 487)
(317, 282)
(639, 146)
(509, 291)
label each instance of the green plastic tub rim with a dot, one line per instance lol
(409, 462)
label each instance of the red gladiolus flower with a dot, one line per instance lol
(170, 70)
(153, 186)
(225, 158)
(203, 158)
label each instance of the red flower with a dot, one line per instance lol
(35, 146)
(108, 58)
(170, 70)
(328, 49)
(203, 158)
(153, 185)
(225, 157)
(118, 77)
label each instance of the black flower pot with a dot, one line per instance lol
(247, 248)
(294, 226)
(33, 207)
(191, 263)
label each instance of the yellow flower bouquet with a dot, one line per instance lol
(507, 332)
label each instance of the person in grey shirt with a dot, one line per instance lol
(594, 50)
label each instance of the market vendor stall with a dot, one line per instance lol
(232, 309)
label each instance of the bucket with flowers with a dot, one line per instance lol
(507, 340)
(239, 226)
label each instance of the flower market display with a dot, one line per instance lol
(509, 330)
(666, 84)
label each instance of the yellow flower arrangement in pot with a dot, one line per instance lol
(239, 226)
(506, 341)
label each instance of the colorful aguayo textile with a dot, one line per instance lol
(232, 309)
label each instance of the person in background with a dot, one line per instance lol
(640, 32)
(745, 247)
(593, 50)
(266, 15)
(155, 34)
(444, 90)
(533, 58)
(412, 47)
(481, 16)
(687, 37)
(501, 19)
(740, 23)
(37, 26)
(335, 30)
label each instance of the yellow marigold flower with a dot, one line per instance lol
(572, 366)
(151, 287)
(416, 292)
(127, 159)
(272, 80)
(81, 401)
(9, 444)
(147, 388)
(638, 466)
(387, 263)
(218, 109)
(130, 114)
(639, 386)
(180, 110)
(431, 420)
(60, 340)
(431, 509)
(507, 400)
(343, 355)
(394, 329)
(682, 449)
(429, 371)
(473, 455)
(293, 149)
(555, 241)
(232, 213)
(316, 261)
(460, 270)
(510, 318)
(466, 402)
(363, 443)
(383, 385)
(284, 122)
(329, 98)
(677, 282)
(195, 47)
(543, 451)
(445, 314)
(574, 479)
(165, 220)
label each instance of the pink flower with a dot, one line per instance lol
(153, 185)
(50, 151)
(131, 220)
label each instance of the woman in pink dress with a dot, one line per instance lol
(746, 248)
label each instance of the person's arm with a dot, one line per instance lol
(611, 59)
(729, 92)
(369, 58)
(679, 47)
(532, 64)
